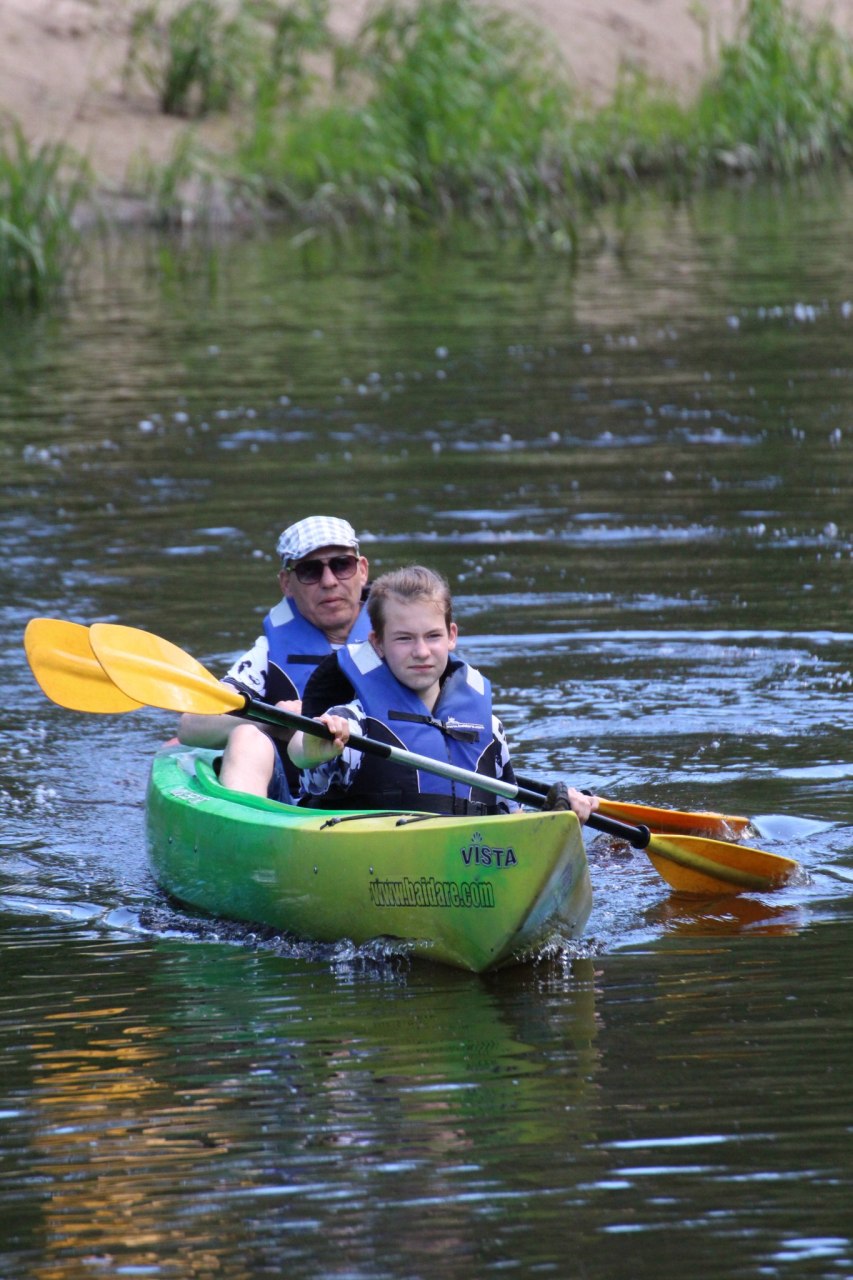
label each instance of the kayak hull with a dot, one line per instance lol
(473, 892)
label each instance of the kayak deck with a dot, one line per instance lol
(473, 892)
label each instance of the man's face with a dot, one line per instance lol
(332, 603)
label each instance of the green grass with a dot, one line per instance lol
(441, 110)
(40, 191)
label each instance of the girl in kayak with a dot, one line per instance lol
(410, 690)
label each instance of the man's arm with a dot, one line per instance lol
(206, 731)
(248, 675)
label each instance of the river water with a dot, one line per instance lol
(637, 476)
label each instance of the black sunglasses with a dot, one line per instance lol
(309, 572)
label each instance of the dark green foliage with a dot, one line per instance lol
(196, 60)
(205, 57)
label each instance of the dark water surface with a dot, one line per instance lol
(638, 479)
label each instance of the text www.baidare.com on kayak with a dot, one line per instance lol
(426, 891)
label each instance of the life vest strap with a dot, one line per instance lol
(449, 730)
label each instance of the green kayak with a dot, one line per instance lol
(473, 892)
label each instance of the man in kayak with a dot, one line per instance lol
(410, 689)
(323, 580)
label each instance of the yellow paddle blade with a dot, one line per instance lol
(63, 663)
(723, 826)
(158, 673)
(694, 864)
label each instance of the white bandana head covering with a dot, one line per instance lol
(300, 539)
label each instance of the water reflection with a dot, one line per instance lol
(731, 915)
(198, 1102)
(150, 1136)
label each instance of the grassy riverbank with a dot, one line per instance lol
(445, 110)
(463, 113)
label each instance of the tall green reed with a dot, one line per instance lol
(41, 189)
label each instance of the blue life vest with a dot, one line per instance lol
(458, 731)
(295, 648)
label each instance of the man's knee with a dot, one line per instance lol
(250, 741)
(248, 761)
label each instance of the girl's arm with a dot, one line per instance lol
(337, 765)
(307, 752)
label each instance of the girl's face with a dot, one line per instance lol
(415, 644)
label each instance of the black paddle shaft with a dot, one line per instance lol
(638, 836)
(254, 709)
